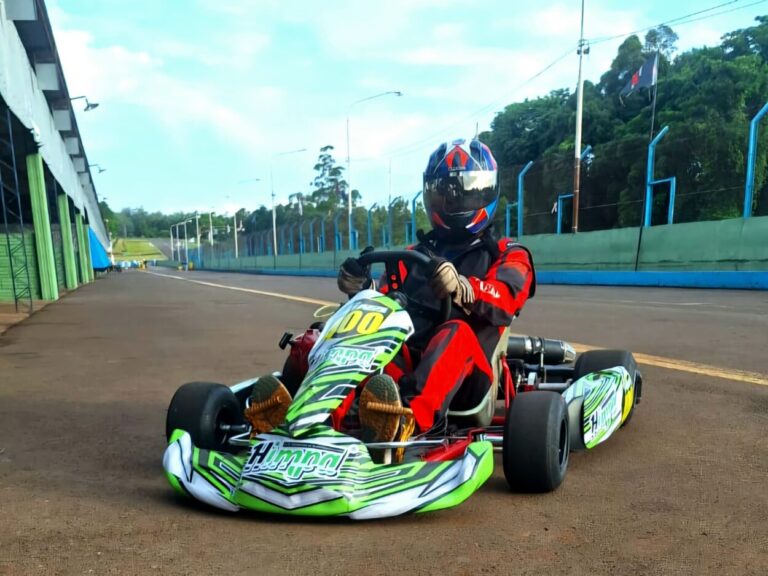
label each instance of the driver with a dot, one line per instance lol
(488, 279)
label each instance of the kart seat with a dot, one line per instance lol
(476, 407)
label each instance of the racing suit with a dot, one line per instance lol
(431, 372)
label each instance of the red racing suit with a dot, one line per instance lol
(431, 373)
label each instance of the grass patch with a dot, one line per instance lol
(136, 249)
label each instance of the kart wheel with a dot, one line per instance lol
(536, 442)
(596, 360)
(200, 408)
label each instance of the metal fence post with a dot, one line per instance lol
(370, 223)
(649, 175)
(520, 177)
(413, 217)
(749, 185)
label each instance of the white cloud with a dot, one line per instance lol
(281, 76)
(235, 51)
(115, 75)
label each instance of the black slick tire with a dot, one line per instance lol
(199, 408)
(536, 442)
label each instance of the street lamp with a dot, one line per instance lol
(235, 216)
(197, 236)
(173, 252)
(97, 166)
(88, 105)
(272, 186)
(389, 220)
(186, 245)
(349, 177)
(178, 239)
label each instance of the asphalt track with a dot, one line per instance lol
(84, 385)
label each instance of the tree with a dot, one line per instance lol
(661, 39)
(628, 59)
(707, 96)
(753, 40)
(330, 188)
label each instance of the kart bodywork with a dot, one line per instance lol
(306, 467)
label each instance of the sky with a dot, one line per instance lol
(198, 99)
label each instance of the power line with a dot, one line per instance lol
(680, 20)
(408, 148)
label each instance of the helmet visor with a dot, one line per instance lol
(461, 192)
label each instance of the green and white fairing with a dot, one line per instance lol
(304, 466)
(600, 402)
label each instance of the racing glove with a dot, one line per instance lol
(352, 277)
(447, 280)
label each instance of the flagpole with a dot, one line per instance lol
(577, 138)
(653, 121)
(655, 89)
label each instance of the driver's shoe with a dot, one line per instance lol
(383, 418)
(268, 406)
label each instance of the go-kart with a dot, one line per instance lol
(306, 466)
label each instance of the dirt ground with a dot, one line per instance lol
(85, 383)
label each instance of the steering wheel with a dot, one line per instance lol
(391, 261)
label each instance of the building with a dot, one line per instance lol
(49, 212)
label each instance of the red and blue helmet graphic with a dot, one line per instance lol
(461, 187)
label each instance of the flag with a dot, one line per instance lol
(645, 77)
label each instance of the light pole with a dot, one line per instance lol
(197, 235)
(583, 49)
(235, 216)
(389, 220)
(178, 240)
(272, 186)
(210, 229)
(349, 178)
(173, 252)
(234, 222)
(186, 245)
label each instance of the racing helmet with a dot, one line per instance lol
(461, 188)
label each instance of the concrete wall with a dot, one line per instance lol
(729, 245)
(724, 245)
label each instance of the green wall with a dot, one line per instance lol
(723, 245)
(58, 256)
(6, 287)
(41, 220)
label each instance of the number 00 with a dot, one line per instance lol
(361, 323)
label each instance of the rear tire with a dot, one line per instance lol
(199, 408)
(597, 360)
(536, 442)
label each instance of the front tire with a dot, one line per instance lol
(199, 408)
(536, 442)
